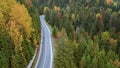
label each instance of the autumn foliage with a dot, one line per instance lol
(108, 2)
(16, 32)
(19, 21)
(29, 3)
(93, 30)
(56, 8)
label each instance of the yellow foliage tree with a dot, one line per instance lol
(15, 34)
(73, 17)
(16, 19)
(15, 27)
(22, 19)
(1, 18)
(5, 6)
(56, 9)
(45, 9)
(97, 15)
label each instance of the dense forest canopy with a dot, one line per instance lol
(19, 32)
(87, 32)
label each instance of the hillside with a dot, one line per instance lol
(19, 32)
(86, 32)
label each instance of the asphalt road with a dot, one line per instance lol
(45, 57)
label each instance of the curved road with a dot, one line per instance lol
(45, 57)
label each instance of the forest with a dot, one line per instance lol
(86, 32)
(19, 32)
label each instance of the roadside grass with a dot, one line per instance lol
(36, 57)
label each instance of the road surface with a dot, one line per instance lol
(45, 57)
